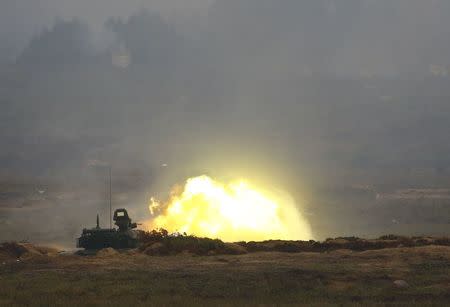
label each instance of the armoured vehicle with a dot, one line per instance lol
(122, 237)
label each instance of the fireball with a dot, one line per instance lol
(236, 211)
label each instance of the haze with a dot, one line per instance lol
(344, 104)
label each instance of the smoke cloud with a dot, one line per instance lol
(337, 102)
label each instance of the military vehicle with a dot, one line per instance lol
(98, 238)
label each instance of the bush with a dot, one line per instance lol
(149, 237)
(391, 237)
(178, 243)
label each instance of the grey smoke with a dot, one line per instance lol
(307, 94)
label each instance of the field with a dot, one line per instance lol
(402, 276)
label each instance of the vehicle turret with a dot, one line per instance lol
(98, 238)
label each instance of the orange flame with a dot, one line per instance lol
(231, 212)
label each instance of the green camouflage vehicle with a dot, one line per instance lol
(119, 238)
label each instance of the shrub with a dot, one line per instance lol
(178, 243)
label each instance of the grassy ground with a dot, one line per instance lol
(261, 279)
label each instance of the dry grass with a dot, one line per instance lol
(341, 277)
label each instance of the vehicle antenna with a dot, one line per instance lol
(110, 199)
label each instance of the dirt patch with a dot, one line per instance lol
(14, 250)
(107, 252)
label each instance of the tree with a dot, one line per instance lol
(150, 40)
(67, 42)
